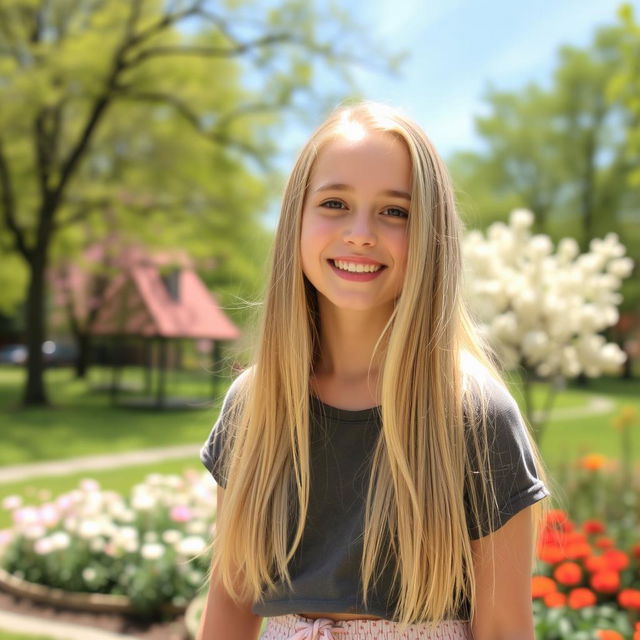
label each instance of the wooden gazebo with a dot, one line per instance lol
(160, 306)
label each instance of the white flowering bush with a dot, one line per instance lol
(541, 310)
(151, 546)
(544, 310)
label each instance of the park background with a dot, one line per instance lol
(151, 140)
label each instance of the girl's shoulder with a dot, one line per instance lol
(484, 388)
(237, 388)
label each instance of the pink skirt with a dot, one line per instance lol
(295, 627)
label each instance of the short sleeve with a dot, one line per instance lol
(213, 451)
(510, 463)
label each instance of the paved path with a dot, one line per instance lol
(19, 472)
(595, 406)
(56, 630)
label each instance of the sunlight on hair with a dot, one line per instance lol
(351, 129)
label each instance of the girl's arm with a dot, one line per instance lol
(507, 613)
(222, 618)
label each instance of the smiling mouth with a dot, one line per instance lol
(356, 267)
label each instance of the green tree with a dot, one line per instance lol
(625, 86)
(563, 151)
(161, 112)
(558, 151)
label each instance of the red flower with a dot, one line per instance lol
(541, 586)
(607, 634)
(593, 527)
(616, 560)
(558, 519)
(555, 599)
(578, 550)
(551, 536)
(629, 599)
(605, 543)
(579, 598)
(595, 563)
(575, 537)
(551, 553)
(605, 581)
(635, 551)
(568, 574)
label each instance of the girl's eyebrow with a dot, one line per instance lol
(338, 186)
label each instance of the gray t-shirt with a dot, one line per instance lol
(325, 569)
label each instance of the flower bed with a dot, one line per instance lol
(150, 547)
(585, 584)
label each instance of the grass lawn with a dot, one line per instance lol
(83, 422)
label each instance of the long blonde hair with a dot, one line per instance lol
(415, 514)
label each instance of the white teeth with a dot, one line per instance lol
(356, 267)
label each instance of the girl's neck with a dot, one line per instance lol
(345, 374)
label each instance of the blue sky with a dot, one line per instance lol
(457, 47)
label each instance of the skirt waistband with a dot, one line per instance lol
(295, 627)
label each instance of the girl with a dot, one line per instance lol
(375, 477)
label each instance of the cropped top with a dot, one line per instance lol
(325, 569)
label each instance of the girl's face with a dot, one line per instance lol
(354, 222)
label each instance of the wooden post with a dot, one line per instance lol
(162, 369)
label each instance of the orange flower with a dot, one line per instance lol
(568, 574)
(595, 563)
(575, 537)
(593, 527)
(555, 599)
(552, 536)
(579, 550)
(607, 634)
(551, 554)
(605, 581)
(541, 586)
(616, 560)
(558, 519)
(604, 543)
(629, 599)
(579, 598)
(593, 462)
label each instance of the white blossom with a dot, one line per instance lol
(12, 502)
(152, 551)
(543, 309)
(191, 546)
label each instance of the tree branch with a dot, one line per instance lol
(192, 118)
(210, 52)
(167, 20)
(104, 99)
(82, 210)
(8, 207)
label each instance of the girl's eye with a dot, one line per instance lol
(332, 204)
(396, 212)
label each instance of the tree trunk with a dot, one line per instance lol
(34, 393)
(83, 343)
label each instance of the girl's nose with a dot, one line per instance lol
(360, 230)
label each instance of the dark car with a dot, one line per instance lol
(13, 354)
(55, 353)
